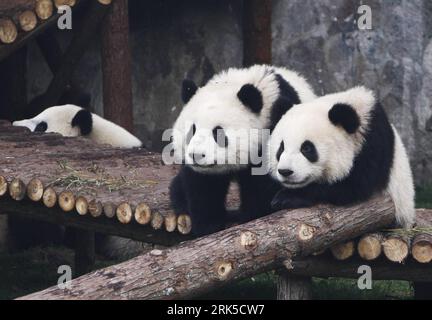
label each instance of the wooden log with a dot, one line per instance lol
(219, 258)
(81, 205)
(49, 197)
(109, 210)
(27, 20)
(382, 269)
(396, 248)
(59, 3)
(84, 252)
(124, 213)
(8, 31)
(116, 66)
(35, 189)
(291, 287)
(66, 201)
(157, 220)
(343, 251)
(184, 224)
(422, 248)
(17, 189)
(105, 2)
(95, 208)
(134, 231)
(3, 186)
(44, 9)
(257, 32)
(143, 214)
(170, 222)
(369, 246)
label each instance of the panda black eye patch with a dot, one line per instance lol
(309, 151)
(220, 137)
(190, 133)
(280, 150)
(41, 127)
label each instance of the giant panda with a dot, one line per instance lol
(72, 121)
(211, 124)
(340, 149)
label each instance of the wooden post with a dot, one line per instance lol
(116, 66)
(291, 287)
(84, 251)
(257, 32)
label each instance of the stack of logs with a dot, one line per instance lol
(24, 15)
(68, 201)
(394, 245)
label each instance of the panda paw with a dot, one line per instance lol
(288, 201)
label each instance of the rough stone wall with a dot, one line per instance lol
(171, 39)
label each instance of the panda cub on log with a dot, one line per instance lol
(340, 149)
(72, 121)
(212, 124)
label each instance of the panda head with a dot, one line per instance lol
(211, 134)
(68, 120)
(317, 142)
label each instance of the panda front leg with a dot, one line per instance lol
(292, 199)
(205, 195)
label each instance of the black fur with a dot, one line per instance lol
(344, 115)
(370, 172)
(84, 120)
(41, 127)
(309, 151)
(189, 88)
(251, 97)
(287, 98)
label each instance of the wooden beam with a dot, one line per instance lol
(205, 263)
(257, 32)
(290, 287)
(116, 66)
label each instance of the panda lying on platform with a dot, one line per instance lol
(211, 122)
(340, 149)
(72, 121)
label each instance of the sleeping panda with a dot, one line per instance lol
(72, 121)
(340, 149)
(215, 120)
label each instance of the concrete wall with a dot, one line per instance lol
(171, 39)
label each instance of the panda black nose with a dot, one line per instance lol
(197, 155)
(285, 172)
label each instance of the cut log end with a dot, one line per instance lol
(44, 9)
(395, 249)
(170, 222)
(157, 220)
(17, 189)
(27, 20)
(66, 201)
(49, 197)
(184, 224)
(143, 214)
(422, 248)
(8, 31)
(105, 2)
(224, 270)
(369, 247)
(95, 208)
(124, 213)
(248, 240)
(35, 189)
(59, 3)
(109, 209)
(3, 186)
(343, 251)
(81, 205)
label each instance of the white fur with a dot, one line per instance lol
(59, 119)
(217, 104)
(336, 148)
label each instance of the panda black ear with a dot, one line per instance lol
(344, 115)
(83, 119)
(279, 108)
(251, 97)
(189, 88)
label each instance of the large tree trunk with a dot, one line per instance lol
(116, 66)
(232, 254)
